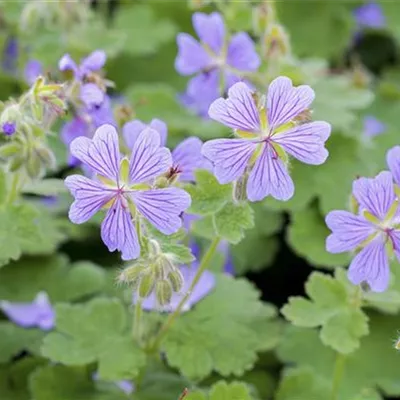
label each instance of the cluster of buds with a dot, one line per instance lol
(155, 272)
(25, 123)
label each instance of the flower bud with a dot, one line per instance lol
(16, 163)
(146, 284)
(276, 43)
(9, 150)
(263, 16)
(47, 157)
(176, 280)
(132, 274)
(9, 119)
(9, 128)
(163, 292)
(34, 167)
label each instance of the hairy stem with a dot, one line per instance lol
(172, 317)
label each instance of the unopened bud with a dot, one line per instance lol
(16, 163)
(176, 280)
(9, 118)
(132, 274)
(263, 15)
(276, 43)
(47, 157)
(9, 150)
(163, 292)
(146, 284)
(34, 167)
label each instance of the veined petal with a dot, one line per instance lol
(187, 157)
(70, 131)
(229, 156)
(162, 207)
(192, 57)
(132, 129)
(238, 111)
(285, 102)
(395, 238)
(118, 231)
(393, 162)
(100, 153)
(375, 194)
(348, 231)
(93, 62)
(210, 29)
(242, 53)
(148, 159)
(90, 197)
(306, 142)
(371, 265)
(162, 129)
(269, 176)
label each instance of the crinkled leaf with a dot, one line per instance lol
(223, 332)
(223, 391)
(306, 236)
(232, 220)
(97, 331)
(22, 280)
(208, 196)
(180, 253)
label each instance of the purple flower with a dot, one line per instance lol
(123, 187)
(38, 314)
(33, 69)
(9, 128)
(373, 127)
(10, 55)
(201, 290)
(228, 264)
(393, 162)
(372, 231)
(186, 157)
(370, 15)
(86, 123)
(218, 62)
(267, 132)
(91, 95)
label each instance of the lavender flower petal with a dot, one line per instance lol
(101, 153)
(39, 313)
(118, 231)
(66, 63)
(373, 127)
(285, 102)
(94, 61)
(162, 207)
(103, 114)
(238, 111)
(242, 53)
(148, 159)
(371, 265)
(90, 197)
(91, 95)
(393, 162)
(210, 29)
(269, 176)
(348, 231)
(132, 129)
(306, 142)
(33, 69)
(230, 157)
(370, 15)
(187, 158)
(192, 57)
(375, 194)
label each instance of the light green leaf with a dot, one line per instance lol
(232, 220)
(3, 186)
(224, 391)
(204, 227)
(208, 196)
(223, 332)
(45, 187)
(179, 253)
(362, 370)
(332, 307)
(22, 280)
(96, 331)
(307, 234)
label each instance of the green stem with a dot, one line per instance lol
(337, 375)
(172, 317)
(137, 331)
(13, 193)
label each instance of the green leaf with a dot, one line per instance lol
(97, 331)
(208, 196)
(22, 280)
(306, 236)
(160, 101)
(223, 391)
(3, 186)
(334, 24)
(14, 339)
(45, 187)
(232, 220)
(63, 383)
(332, 307)
(362, 371)
(223, 332)
(180, 253)
(204, 227)
(139, 22)
(301, 383)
